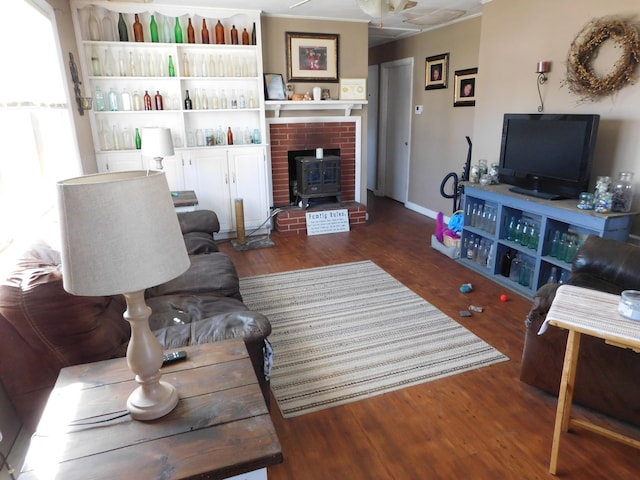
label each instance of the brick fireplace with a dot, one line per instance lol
(289, 135)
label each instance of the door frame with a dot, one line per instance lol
(384, 99)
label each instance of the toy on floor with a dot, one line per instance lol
(466, 288)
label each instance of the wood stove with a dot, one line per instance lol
(318, 177)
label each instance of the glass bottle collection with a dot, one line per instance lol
(164, 29)
(112, 61)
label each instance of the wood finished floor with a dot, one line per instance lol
(483, 424)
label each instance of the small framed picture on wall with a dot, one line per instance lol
(464, 94)
(436, 71)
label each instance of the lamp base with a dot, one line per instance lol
(153, 402)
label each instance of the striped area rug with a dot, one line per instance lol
(351, 331)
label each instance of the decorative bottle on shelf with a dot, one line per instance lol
(191, 33)
(219, 30)
(185, 65)
(229, 137)
(114, 103)
(126, 100)
(138, 34)
(245, 37)
(153, 29)
(96, 69)
(94, 29)
(108, 29)
(553, 276)
(158, 98)
(234, 35)
(122, 29)
(98, 100)
(138, 139)
(622, 191)
(188, 105)
(147, 101)
(167, 36)
(137, 101)
(253, 34)
(205, 32)
(172, 68)
(177, 30)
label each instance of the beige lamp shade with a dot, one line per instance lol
(157, 142)
(120, 233)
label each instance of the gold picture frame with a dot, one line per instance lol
(436, 71)
(312, 57)
(464, 91)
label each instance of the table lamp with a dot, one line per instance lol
(120, 235)
(157, 143)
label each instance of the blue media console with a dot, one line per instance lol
(489, 246)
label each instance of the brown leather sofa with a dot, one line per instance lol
(607, 376)
(43, 328)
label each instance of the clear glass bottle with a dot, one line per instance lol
(96, 67)
(553, 276)
(137, 101)
(108, 29)
(514, 271)
(98, 101)
(114, 101)
(622, 191)
(126, 102)
(555, 243)
(94, 29)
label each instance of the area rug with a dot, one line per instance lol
(351, 331)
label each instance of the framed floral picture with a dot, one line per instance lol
(464, 92)
(436, 71)
(312, 57)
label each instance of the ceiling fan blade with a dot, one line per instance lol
(302, 2)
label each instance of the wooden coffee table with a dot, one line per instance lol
(589, 312)
(220, 428)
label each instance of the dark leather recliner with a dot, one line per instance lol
(43, 328)
(607, 376)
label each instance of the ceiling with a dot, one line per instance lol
(419, 16)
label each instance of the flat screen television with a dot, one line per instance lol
(547, 155)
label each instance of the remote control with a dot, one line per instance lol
(174, 357)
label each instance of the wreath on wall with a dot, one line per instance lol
(581, 77)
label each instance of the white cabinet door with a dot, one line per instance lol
(248, 173)
(119, 162)
(206, 173)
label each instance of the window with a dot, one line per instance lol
(38, 141)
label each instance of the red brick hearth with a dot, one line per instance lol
(309, 136)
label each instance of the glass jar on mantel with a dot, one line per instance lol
(622, 192)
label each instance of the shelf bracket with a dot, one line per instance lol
(276, 112)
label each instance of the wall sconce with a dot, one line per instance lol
(541, 68)
(84, 103)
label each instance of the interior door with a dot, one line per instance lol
(395, 131)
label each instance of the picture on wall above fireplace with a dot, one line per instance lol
(312, 57)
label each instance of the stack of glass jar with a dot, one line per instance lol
(482, 216)
(564, 246)
(526, 233)
(614, 196)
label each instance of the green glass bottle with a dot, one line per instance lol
(122, 29)
(138, 139)
(153, 27)
(172, 68)
(178, 31)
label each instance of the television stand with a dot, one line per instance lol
(535, 193)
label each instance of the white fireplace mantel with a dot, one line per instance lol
(347, 105)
